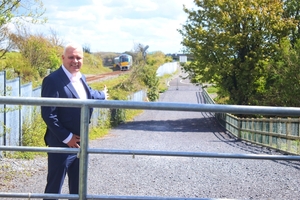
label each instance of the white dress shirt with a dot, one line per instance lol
(77, 83)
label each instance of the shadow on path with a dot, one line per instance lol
(180, 125)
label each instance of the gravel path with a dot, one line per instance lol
(122, 175)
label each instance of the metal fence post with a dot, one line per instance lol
(239, 127)
(4, 110)
(83, 155)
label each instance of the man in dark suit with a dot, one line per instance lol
(63, 123)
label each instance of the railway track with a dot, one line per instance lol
(104, 76)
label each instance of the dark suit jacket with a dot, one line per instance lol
(61, 121)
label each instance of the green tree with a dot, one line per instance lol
(157, 58)
(6, 10)
(282, 86)
(292, 10)
(36, 55)
(232, 41)
(17, 12)
(20, 11)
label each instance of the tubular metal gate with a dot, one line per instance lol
(84, 150)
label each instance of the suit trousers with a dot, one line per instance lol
(60, 164)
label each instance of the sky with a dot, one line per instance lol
(117, 25)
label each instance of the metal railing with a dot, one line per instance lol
(282, 134)
(85, 150)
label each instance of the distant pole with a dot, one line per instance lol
(144, 51)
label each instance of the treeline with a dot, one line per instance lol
(36, 55)
(250, 49)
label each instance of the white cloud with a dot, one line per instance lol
(116, 25)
